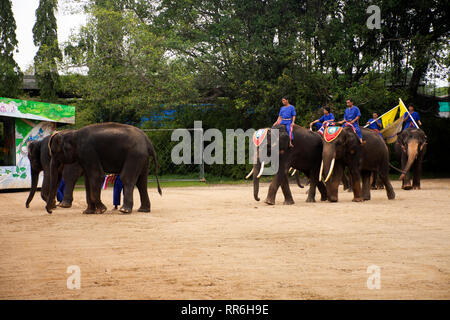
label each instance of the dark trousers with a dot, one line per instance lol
(60, 192)
(118, 186)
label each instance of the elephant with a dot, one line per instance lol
(104, 147)
(410, 147)
(39, 156)
(361, 159)
(304, 156)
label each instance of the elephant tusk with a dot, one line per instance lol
(290, 169)
(261, 171)
(293, 172)
(331, 170)
(321, 171)
(248, 176)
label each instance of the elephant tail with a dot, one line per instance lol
(152, 152)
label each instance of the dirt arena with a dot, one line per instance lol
(216, 242)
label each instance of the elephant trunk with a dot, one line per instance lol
(54, 173)
(327, 166)
(34, 183)
(256, 169)
(413, 147)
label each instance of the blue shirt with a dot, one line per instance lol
(351, 113)
(408, 121)
(326, 117)
(287, 112)
(375, 125)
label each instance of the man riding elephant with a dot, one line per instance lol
(342, 148)
(304, 156)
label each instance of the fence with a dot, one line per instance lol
(169, 171)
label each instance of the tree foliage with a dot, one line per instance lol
(242, 56)
(10, 74)
(129, 69)
(48, 54)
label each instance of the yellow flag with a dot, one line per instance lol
(389, 117)
(402, 108)
(390, 133)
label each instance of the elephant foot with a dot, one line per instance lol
(100, 208)
(141, 209)
(269, 202)
(65, 204)
(409, 187)
(51, 206)
(125, 210)
(332, 199)
(310, 199)
(391, 196)
(357, 200)
(323, 198)
(288, 202)
(366, 198)
(416, 187)
(89, 211)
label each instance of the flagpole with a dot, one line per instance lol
(380, 116)
(401, 101)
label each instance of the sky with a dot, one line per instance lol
(25, 14)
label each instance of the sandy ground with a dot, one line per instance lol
(216, 242)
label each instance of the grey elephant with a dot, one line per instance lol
(106, 147)
(304, 156)
(345, 150)
(410, 147)
(39, 156)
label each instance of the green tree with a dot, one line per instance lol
(10, 74)
(130, 70)
(48, 54)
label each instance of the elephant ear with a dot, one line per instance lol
(69, 147)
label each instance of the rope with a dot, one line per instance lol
(401, 171)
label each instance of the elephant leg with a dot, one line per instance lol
(334, 182)
(373, 181)
(94, 176)
(416, 174)
(356, 184)
(96, 188)
(312, 175)
(380, 184)
(129, 176)
(91, 205)
(384, 176)
(142, 187)
(68, 193)
(366, 186)
(406, 183)
(288, 200)
(45, 190)
(322, 190)
(273, 188)
(312, 191)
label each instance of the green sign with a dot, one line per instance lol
(37, 110)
